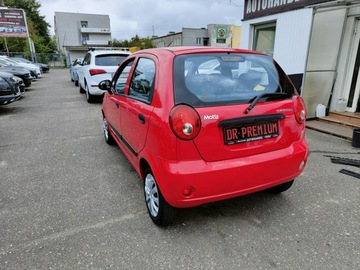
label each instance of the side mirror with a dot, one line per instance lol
(105, 85)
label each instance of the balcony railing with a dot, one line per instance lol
(95, 30)
(95, 42)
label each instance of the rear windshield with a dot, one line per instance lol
(220, 79)
(109, 59)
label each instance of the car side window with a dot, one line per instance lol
(87, 59)
(120, 82)
(142, 81)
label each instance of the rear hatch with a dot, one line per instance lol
(227, 132)
(245, 102)
(109, 62)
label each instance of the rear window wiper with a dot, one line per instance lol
(257, 98)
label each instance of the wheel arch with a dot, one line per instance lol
(143, 165)
(153, 165)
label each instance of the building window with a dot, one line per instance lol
(84, 38)
(198, 41)
(264, 38)
(177, 42)
(206, 42)
(84, 24)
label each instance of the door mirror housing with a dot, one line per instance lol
(105, 85)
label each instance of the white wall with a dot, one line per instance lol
(291, 38)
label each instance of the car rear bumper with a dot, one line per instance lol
(95, 91)
(93, 84)
(214, 181)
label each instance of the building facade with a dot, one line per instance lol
(317, 44)
(214, 35)
(76, 32)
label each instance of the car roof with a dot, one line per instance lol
(121, 52)
(196, 49)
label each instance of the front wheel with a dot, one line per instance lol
(161, 213)
(280, 188)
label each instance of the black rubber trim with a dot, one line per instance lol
(117, 133)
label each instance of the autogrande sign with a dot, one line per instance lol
(259, 8)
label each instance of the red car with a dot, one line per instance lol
(204, 124)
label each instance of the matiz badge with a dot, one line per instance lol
(211, 117)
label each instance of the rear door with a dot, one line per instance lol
(114, 101)
(136, 108)
(83, 69)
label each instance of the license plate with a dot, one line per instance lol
(253, 132)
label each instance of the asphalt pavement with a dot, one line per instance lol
(70, 201)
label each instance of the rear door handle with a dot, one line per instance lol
(141, 118)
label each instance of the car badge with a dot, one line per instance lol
(211, 117)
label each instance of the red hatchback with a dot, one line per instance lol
(204, 124)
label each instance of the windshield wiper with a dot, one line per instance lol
(257, 98)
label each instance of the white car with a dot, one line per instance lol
(74, 70)
(98, 65)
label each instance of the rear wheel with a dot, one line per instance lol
(76, 83)
(107, 136)
(89, 97)
(280, 188)
(161, 213)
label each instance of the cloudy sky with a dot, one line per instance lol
(150, 17)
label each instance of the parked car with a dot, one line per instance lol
(98, 65)
(74, 70)
(20, 84)
(197, 138)
(9, 88)
(35, 70)
(43, 67)
(21, 72)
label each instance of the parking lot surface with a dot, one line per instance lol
(70, 201)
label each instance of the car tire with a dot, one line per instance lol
(89, 97)
(81, 90)
(107, 136)
(160, 212)
(280, 188)
(76, 83)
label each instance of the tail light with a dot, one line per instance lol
(97, 71)
(299, 109)
(185, 122)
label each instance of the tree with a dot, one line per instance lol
(136, 41)
(37, 26)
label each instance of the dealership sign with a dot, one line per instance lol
(259, 8)
(13, 23)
